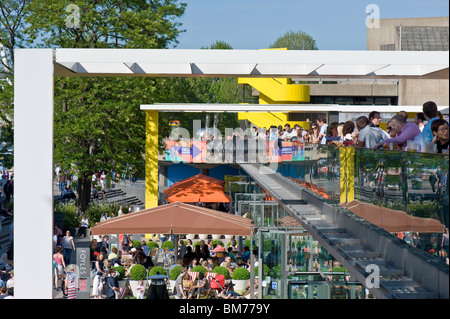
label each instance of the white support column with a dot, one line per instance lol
(33, 165)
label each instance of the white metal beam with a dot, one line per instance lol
(232, 108)
(33, 115)
(33, 173)
(253, 63)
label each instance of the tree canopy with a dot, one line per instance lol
(97, 121)
(295, 40)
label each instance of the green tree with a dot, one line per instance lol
(219, 45)
(11, 37)
(298, 40)
(97, 121)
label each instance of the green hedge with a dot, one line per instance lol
(200, 268)
(241, 274)
(174, 273)
(167, 244)
(222, 271)
(154, 270)
(152, 244)
(138, 272)
(136, 243)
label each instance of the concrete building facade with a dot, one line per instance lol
(414, 34)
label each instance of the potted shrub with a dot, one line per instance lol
(156, 269)
(173, 275)
(240, 278)
(167, 244)
(152, 244)
(136, 243)
(222, 271)
(137, 273)
(199, 268)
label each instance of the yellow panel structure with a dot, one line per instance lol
(278, 90)
(347, 174)
(151, 161)
(275, 91)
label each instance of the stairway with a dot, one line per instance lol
(352, 252)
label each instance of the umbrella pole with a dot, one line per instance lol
(175, 239)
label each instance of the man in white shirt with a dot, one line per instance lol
(322, 123)
(288, 132)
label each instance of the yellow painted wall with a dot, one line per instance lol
(151, 159)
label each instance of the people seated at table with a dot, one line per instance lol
(245, 255)
(219, 248)
(210, 265)
(193, 263)
(114, 255)
(210, 245)
(204, 252)
(231, 254)
(145, 261)
(197, 251)
(189, 253)
(145, 248)
(229, 262)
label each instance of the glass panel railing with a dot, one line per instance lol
(403, 192)
(406, 193)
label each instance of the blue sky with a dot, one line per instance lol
(255, 24)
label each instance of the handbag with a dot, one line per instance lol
(93, 273)
(102, 286)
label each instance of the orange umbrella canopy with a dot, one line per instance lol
(176, 218)
(195, 179)
(201, 189)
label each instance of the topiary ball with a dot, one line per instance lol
(157, 269)
(241, 274)
(174, 273)
(152, 244)
(138, 272)
(222, 271)
(199, 268)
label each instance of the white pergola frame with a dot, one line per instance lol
(33, 115)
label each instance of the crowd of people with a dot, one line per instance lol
(428, 132)
(209, 255)
(7, 252)
(104, 258)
